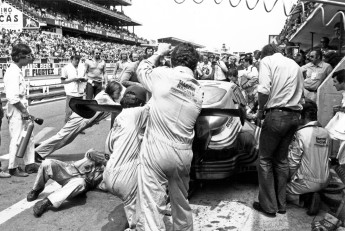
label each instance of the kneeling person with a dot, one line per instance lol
(76, 178)
(308, 156)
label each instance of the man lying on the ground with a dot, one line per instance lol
(76, 124)
(123, 143)
(308, 160)
(79, 177)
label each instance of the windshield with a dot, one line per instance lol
(213, 94)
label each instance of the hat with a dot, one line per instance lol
(139, 92)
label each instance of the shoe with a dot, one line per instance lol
(33, 194)
(281, 211)
(17, 172)
(31, 168)
(314, 205)
(4, 174)
(82, 133)
(38, 158)
(257, 207)
(41, 207)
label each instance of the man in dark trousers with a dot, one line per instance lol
(280, 91)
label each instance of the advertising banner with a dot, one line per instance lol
(29, 23)
(273, 39)
(10, 17)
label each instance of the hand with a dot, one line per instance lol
(336, 108)
(164, 49)
(260, 114)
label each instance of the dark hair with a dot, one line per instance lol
(309, 110)
(149, 48)
(75, 57)
(134, 96)
(19, 51)
(248, 59)
(268, 50)
(326, 39)
(112, 86)
(339, 75)
(233, 72)
(186, 55)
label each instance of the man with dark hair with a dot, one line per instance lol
(77, 124)
(315, 73)
(73, 85)
(335, 42)
(336, 126)
(166, 152)
(17, 110)
(308, 159)
(95, 72)
(148, 52)
(280, 91)
(123, 145)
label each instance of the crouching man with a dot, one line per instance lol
(308, 161)
(76, 178)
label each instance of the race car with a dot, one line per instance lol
(224, 144)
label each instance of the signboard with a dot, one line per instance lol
(10, 17)
(52, 34)
(273, 39)
(29, 23)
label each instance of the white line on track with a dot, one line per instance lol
(23, 205)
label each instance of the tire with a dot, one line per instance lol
(334, 188)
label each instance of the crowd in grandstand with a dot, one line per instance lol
(51, 46)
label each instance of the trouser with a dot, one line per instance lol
(16, 125)
(341, 152)
(297, 187)
(68, 110)
(68, 133)
(64, 174)
(92, 89)
(163, 164)
(276, 134)
(122, 181)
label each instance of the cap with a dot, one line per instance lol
(139, 92)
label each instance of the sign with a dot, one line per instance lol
(29, 23)
(3, 67)
(52, 34)
(273, 39)
(10, 17)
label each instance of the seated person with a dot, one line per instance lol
(79, 177)
(76, 124)
(308, 158)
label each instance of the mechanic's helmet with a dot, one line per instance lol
(134, 96)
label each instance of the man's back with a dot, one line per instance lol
(281, 79)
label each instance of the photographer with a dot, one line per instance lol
(17, 110)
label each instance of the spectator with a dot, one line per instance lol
(315, 73)
(220, 69)
(249, 80)
(205, 69)
(335, 42)
(120, 65)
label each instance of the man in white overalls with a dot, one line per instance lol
(166, 152)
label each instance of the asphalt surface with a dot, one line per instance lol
(217, 205)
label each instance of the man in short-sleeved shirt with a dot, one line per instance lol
(315, 73)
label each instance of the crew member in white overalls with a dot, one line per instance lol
(166, 152)
(17, 110)
(336, 126)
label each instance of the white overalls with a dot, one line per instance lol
(166, 152)
(15, 90)
(123, 143)
(73, 127)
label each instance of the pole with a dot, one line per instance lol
(341, 34)
(312, 40)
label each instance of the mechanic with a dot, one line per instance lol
(95, 74)
(79, 177)
(280, 91)
(17, 110)
(76, 124)
(166, 152)
(123, 146)
(336, 126)
(308, 160)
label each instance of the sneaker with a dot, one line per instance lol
(4, 174)
(17, 172)
(31, 168)
(41, 207)
(38, 158)
(257, 207)
(33, 194)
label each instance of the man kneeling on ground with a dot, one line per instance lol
(79, 177)
(308, 160)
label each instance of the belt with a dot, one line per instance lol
(311, 90)
(281, 109)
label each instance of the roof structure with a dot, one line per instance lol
(175, 41)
